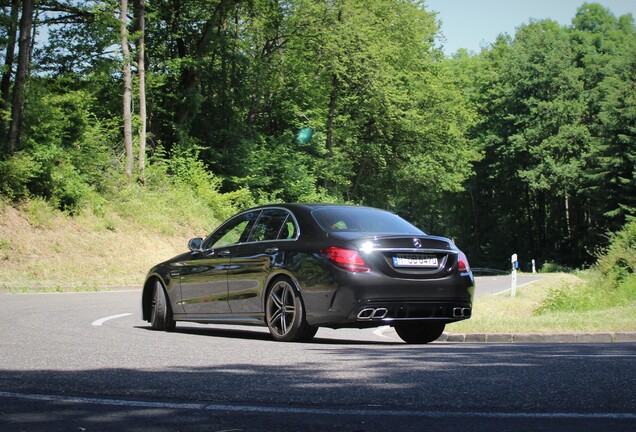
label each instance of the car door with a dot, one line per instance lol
(204, 277)
(253, 260)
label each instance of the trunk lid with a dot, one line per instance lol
(406, 256)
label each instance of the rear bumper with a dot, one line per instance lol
(371, 300)
(388, 312)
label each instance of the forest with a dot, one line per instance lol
(527, 147)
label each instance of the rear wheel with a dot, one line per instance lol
(285, 314)
(420, 332)
(160, 313)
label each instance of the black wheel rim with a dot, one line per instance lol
(281, 308)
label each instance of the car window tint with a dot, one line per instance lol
(361, 219)
(232, 236)
(269, 225)
(236, 230)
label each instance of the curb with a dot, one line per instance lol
(610, 337)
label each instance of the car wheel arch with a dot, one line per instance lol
(147, 294)
(275, 277)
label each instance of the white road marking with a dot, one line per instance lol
(518, 286)
(380, 332)
(601, 356)
(265, 409)
(101, 321)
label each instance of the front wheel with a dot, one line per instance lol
(285, 315)
(160, 314)
(419, 332)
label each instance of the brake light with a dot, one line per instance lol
(346, 259)
(463, 265)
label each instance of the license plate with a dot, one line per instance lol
(414, 260)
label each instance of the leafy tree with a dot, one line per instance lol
(556, 160)
(606, 48)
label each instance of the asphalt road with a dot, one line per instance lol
(501, 284)
(86, 362)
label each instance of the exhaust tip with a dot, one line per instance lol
(366, 314)
(380, 313)
(460, 312)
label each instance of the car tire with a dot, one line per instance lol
(420, 333)
(285, 313)
(160, 313)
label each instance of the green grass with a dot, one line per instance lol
(527, 312)
(45, 249)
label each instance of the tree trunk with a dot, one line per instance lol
(333, 97)
(24, 54)
(127, 90)
(189, 75)
(141, 71)
(5, 84)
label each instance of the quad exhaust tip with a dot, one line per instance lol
(368, 314)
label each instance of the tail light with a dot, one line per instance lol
(463, 265)
(346, 259)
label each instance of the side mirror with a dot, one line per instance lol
(195, 244)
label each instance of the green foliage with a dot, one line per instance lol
(67, 157)
(611, 283)
(16, 173)
(46, 173)
(617, 265)
(528, 147)
(552, 267)
(40, 213)
(588, 296)
(5, 246)
(185, 178)
(568, 298)
(556, 130)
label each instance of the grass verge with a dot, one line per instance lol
(526, 313)
(45, 250)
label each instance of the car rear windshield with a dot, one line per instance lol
(362, 219)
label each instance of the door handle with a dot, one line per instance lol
(224, 252)
(271, 250)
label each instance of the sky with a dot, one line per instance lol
(472, 24)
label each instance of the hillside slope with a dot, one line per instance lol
(44, 249)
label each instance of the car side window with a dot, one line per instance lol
(269, 225)
(288, 230)
(236, 230)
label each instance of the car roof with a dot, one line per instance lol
(310, 206)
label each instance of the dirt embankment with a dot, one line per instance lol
(41, 248)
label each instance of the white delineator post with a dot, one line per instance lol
(513, 281)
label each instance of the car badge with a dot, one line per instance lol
(417, 243)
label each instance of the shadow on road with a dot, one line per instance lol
(344, 380)
(265, 336)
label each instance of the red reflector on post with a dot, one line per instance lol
(347, 259)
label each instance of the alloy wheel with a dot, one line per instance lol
(281, 309)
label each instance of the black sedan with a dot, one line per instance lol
(297, 267)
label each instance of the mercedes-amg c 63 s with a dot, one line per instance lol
(297, 267)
